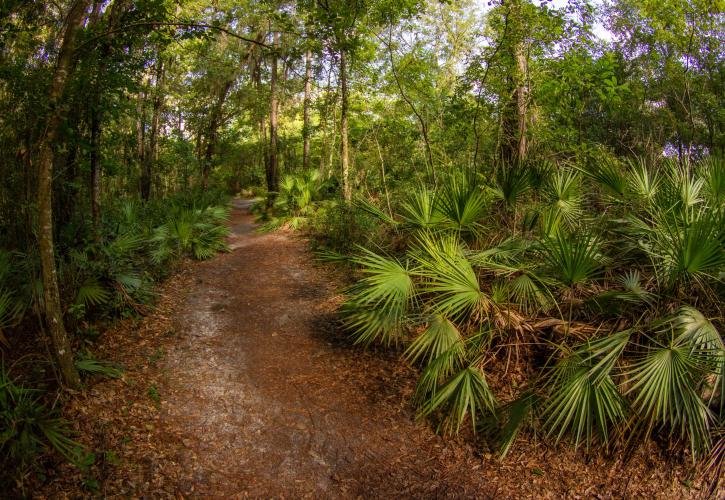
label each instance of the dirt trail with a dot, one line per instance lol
(267, 401)
(268, 404)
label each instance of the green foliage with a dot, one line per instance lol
(573, 259)
(657, 376)
(465, 394)
(28, 427)
(462, 203)
(199, 233)
(89, 365)
(665, 380)
(378, 303)
(527, 203)
(449, 278)
(441, 337)
(563, 197)
(582, 397)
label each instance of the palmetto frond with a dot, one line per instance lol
(462, 204)
(683, 248)
(449, 278)
(91, 365)
(378, 303)
(440, 336)
(610, 175)
(371, 208)
(665, 381)
(583, 399)
(564, 198)
(91, 292)
(466, 394)
(419, 210)
(692, 327)
(572, 259)
(513, 415)
(11, 310)
(512, 184)
(713, 171)
(642, 181)
(530, 294)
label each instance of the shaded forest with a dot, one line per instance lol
(527, 199)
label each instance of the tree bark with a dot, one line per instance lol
(141, 146)
(306, 111)
(95, 126)
(151, 144)
(272, 174)
(212, 134)
(522, 95)
(344, 146)
(95, 161)
(51, 293)
(514, 114)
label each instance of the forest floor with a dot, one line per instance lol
(241, 384)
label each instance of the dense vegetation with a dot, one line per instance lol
(531, 193)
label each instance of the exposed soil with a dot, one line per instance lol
(240, 384)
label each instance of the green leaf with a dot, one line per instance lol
(466, 394)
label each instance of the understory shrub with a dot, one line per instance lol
(28, 427)
(586, 303)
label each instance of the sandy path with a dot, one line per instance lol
(266, 404)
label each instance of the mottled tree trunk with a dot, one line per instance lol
(141, 147)
(45, 148)
(522, 95)
(212, 134)
(306, 111)
(344, 146)
(272, 174)
(151, 144)
(95, 164)
(514, 123)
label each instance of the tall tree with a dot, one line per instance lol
(514, 117)
(306, 110)
(272, 171)
(150, 145)
(344, 25)
(45, 147)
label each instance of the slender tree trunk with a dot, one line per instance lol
(522, 93)
(409, 102)
(212, 134)
(95, 161)
(344, 146)
(151, 144)
(45, 145)
(141, 147)
(306, 111)
(272, 173)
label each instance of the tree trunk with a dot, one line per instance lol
(272, 173)
(95, 161)
(141, 147)
(418, 115)
(45, 145)
(522, 92)
(514, 120)
(212, 134)
(344, 146)
(151, 144)
(306, 111)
